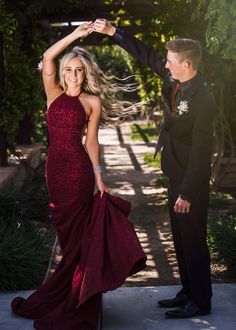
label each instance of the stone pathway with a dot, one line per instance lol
(136, 309)
(129, 177)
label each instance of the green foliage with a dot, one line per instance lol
(113, 60)
(218, 18)
(8, 22)
(222, 240)
(26, 235)
(24, 254)
(221, 29)
(22, 89)
(219, 199)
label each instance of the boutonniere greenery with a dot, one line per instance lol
(183, 107)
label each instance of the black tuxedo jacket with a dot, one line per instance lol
(186, 139)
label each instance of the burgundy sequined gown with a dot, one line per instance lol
(99, 245)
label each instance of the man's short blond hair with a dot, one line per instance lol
(187, 49)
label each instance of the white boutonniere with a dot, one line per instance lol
(183, 107)
(40, 66)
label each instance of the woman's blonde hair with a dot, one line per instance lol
(96, 82)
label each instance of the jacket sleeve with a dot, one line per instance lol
(142, 52)
(198, 168)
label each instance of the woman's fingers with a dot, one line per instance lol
(105, 189)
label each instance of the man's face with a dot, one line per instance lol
(176, 66)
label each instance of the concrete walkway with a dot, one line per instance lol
(137, 309)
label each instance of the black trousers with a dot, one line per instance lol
(189, 235)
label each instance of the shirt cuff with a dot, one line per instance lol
(118, 35)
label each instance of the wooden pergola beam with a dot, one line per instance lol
(92, 12)
(91, 40)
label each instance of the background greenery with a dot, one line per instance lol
(213, 22)
(26, 234)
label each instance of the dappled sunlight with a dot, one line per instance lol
(128, 176)
(205, 325)
(124, 188)
(152, 190)
(150, 271)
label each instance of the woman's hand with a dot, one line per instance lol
(83, 30)
(101, 186)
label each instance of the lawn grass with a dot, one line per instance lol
(148, 159)
(146, 133)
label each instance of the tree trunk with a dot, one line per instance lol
(26, 129)
(3, 149)
(3, 143)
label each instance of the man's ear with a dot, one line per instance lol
(187, 64)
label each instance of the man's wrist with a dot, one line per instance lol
(118, 35)
(112, 31)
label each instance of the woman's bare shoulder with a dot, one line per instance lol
(92, 100)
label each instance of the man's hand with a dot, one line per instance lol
(103, 26)
(182, 206)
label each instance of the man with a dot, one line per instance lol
(186, 142)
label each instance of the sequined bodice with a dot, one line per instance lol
(66, 121)
(68, 167)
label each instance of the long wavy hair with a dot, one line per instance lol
(96, 82)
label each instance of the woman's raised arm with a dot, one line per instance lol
(51, 85)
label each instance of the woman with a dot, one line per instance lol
(92, 231)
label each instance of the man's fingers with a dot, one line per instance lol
(100, 20)
(100, 24)
(181, 208)
(176, 208)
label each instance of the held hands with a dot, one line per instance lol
(181, 206)
(83, 30)
(103, 26)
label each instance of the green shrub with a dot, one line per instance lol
(222, 240)
(24, 253)
(219, 199)
(26, 234)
